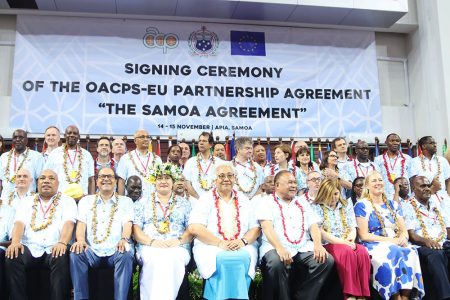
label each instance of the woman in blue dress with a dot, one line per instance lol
(381, 228)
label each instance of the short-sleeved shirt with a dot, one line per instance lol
(273, 170)
(34, 162)
(124, 213)
(364, 209)
(206, 172)
(249, 174)
(429, 218)
(297, 221)
(304, 176)
(341, 163)
(355, 169)
(56, 163)
(429, 168)
(42, 241)
(206, 213)
(398, 166)
(7, 213)
(335, 226)
(16, 201)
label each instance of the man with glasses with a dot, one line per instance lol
(42, 229)
(392, 164)
(361, 166)
(314, 178)
(104, 224)
(199, 169)
(74, 166)
(139, 162)
(20, 156)
(430, 165)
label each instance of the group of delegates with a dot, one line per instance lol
(292, 219)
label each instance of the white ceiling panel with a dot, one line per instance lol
(371, 18)
(46, 4)
(264, 11)
(206, 8)
(147, 7)
(328, 3)
(319, 15)
(97, 6)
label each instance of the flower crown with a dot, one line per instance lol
(165, 169)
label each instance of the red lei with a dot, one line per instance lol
(387, 167)
(284, 223)
(219, 219)
(358, 167)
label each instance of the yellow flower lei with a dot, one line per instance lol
(253, 181)
(50, 218)
(422, 224)
(326, 221)
(7, 171)
(380, 218)
(95, 222)
(166, 218)
(203, 182)
(80, 164)
(144, 175)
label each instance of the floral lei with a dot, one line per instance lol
(356, 168)
(437, 162)
(422, 224)
(389, 176)
(380, 218)
(284, 222)
(219, 216)
(80, 164)
(253, 180)
(144, 175)
(326, 221)
(205, 186)
(166, 218)
(50, 218)
(7, 171)
(95, 222)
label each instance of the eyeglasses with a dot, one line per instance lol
(315, 180)
(144, 137)
(106, 176)
(223, 176)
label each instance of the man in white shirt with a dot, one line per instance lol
(361, 166)
(22, 190)
(42, 229)
(118, 150)
(339, 145)
(52, 136)
(103, 237)
(20, 156)
(291, 237)
(103, 158)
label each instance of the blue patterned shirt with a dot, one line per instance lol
(122, 215)
(429, 169)
(354, 168)
(334, 217)
(304, 176)
(6, 222)
(394, 165)
(274, 169)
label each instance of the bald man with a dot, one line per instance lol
(20, 156)
(139, 162)
(22, 190)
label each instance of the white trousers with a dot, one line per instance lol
(162, 272)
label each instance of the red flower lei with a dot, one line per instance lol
(219, 219)
(357, 167)
(387, 168)
(272, 169)
(284, 223)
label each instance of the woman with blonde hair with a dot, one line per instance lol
(381, 229)
(338, 228)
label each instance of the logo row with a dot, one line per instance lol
(205, 43)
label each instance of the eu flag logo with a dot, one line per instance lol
(248, 43)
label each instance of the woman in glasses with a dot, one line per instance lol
(159, 227)
(357, 189)
(330, 170)
(225, 231)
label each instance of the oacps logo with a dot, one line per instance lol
(155, 39)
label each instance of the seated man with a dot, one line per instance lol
(103, 235)
(291, 237)
(429, 228)
(6, 222)
(42, 228)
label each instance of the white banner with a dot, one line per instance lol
(113, 76)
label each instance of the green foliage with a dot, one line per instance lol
(195, 285)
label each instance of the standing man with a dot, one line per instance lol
(73, 164)
(103, 236)
(259, 155)
(430, 165)
(313, 180)
(134, 188)
(185, 153)
(291, 237)
(174, 155)
(17, 196)
(118, 150)
(250, 175)
(219, 151)
(339, 145)
(361, 166)
(20, 156)
(42, 229)
(138, 162)
(392, 164)
(428, 228)
(52, 136)
(103, 159)
(199, 170)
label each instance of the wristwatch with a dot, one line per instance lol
(244, 240)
